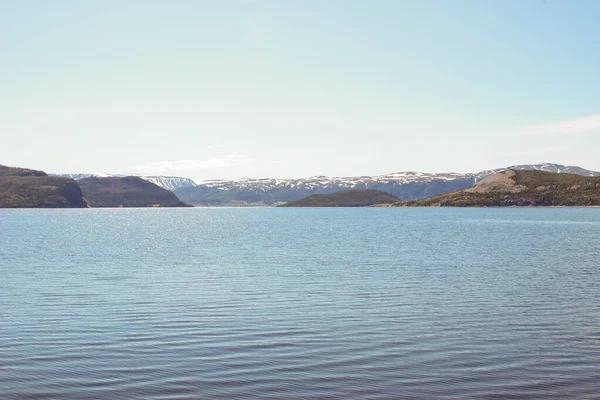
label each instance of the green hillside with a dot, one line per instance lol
(345, 198)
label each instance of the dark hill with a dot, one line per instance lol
(522, 188)
(14, 171)
(129, 191)
(27, 188)
(345, 198)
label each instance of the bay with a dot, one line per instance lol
(361, 303)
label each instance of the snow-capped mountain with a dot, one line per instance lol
(406, 185)
(84, 176)
(170, 182)
(271, 191)
(556, 168)
(166, 182)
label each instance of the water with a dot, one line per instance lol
(300, 303)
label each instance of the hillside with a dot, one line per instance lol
(166, 182)
(405, 185)
(521, 188)
(27, 188)
(15, 171)
(128, 191)
(345, 198)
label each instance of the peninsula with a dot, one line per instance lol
(28, 188)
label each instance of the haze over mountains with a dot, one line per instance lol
(405, 185)
(268, 191)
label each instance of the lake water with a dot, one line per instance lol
(300, 303)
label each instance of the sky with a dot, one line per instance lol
(230, 89)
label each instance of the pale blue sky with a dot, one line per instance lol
(229, 89)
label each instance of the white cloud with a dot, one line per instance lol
(226, 161)
(567, 126)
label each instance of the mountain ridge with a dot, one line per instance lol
(166, 182)
(28, 188)
(520, 188)
(406, 185)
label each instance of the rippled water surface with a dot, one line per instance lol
(300, 303)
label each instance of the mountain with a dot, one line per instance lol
(273, 191)
(166, 182)
(27, 188)
(170, 182)
(345, 198)
(522, 188)
(129, 191)
(405, 185)
(555, 168)
(16, 171)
